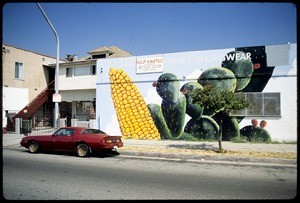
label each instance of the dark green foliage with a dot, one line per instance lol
(215, 101)
(221, 104)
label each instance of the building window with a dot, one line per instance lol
(99, 56)
(263, 104)
(69, 72)
(93, 70)
(83, 107)
(81, 71)
(19, 70)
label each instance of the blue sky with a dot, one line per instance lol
(147, 28)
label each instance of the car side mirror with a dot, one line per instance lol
(53, 135)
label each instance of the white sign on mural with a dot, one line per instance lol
(150, 65)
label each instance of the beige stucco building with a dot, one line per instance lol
(26, 69)
(25, 74)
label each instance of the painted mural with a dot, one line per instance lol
(133, 115)
(242, 70)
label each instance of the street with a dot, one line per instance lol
(60, 176)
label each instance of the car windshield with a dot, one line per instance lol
(92, 131)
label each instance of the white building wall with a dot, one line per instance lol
(78, 95)
(77, 83)
(13, 100)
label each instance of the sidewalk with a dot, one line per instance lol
(235, 153)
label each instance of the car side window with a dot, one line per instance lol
(70, 132)
(65, 132)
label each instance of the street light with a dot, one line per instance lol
(57, 64)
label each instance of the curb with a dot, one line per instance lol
(211, 159)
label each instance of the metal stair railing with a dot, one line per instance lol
(36, 103)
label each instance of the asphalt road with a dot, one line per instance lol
(65, 177)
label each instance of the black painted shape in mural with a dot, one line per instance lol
(262, 73)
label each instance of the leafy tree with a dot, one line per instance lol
(219, 104)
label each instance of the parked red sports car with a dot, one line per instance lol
(83, 141)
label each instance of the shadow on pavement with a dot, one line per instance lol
(103, 154)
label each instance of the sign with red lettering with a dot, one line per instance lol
(150, 65)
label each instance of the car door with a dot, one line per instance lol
(63, 140)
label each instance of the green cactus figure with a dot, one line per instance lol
(241, 65)
(167, 87)
(159, 121)
(219, 78)
(206, 128)
(255, 133)
(173, 105)
(174, 114)
(192, 110)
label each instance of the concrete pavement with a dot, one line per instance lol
(235, 153)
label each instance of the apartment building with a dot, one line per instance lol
(25, 74)
(77, 83)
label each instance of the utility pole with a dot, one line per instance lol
(57, 65)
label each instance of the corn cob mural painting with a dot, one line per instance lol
(132, 112)
(174, 116)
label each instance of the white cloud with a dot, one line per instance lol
(152, 97)
(194, 75)
(113, 128)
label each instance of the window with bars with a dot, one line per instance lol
(264, 104)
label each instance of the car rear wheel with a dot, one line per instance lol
(82, 150)
(33, 147)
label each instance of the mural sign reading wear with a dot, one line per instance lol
(150, 65)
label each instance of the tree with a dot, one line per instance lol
(219, 104)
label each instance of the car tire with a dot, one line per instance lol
(33, 147)
(82, 150)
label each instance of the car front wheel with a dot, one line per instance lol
(33, 147)
(82, 150)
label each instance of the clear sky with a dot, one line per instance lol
(147, 28)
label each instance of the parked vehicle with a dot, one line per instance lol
(82, 141)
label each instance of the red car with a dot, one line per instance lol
(83, 141)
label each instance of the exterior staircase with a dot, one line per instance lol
(36, 103)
